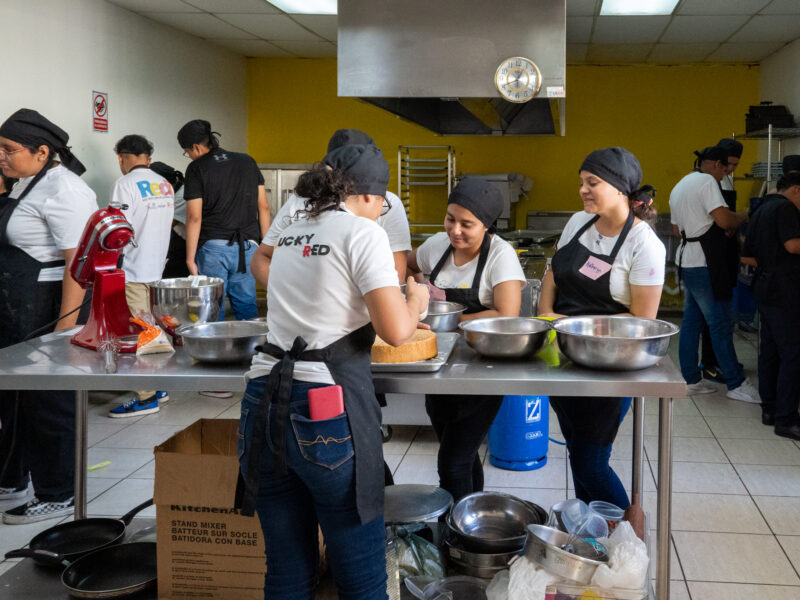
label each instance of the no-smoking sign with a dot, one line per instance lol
(100, 111)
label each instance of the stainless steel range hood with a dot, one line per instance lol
(433, 61)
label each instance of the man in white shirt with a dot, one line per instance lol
(148, 202)
(701, 217)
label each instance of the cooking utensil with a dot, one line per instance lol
(414, 502)
(506, 337)
(74, 539)
(223, 341)
(477, 564)
(544, 548)
(491, 522)
(114, 572)
(186, 300)
(614, 342)
(443, 316)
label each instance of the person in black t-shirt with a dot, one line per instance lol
(773, 240)
(227, 213)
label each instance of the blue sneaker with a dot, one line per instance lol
(135, 408)
(162, 397)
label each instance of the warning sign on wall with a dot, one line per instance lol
(100, 111)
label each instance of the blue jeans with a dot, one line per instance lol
(699, 304)
(318, 488)
(216, 258)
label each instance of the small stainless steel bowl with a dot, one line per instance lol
(506, 337)
(223, 341)
(614, 343)
(544, 548)
(186, 300)
(443, 316)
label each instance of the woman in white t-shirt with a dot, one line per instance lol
(609, 261)
(332, 287)
(480, 270)
(40, 226)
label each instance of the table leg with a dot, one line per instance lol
(638, 447)
(81, 459)
(664, 525)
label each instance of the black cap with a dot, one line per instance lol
(713, 153)
(791, 163)
(479, 197)
(616, 166)
(731, 146)
(344, 137)
(364, 165)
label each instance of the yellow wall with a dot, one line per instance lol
(660, 113)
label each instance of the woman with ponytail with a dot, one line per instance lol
(609, 261)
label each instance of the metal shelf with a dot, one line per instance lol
(430, 166)
(771, 133)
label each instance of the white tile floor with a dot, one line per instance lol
(736, 500)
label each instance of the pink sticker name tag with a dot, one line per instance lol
(594, 267)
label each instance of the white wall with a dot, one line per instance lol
(55, 52)
(780, 84)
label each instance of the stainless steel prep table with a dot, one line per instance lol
(51, 362)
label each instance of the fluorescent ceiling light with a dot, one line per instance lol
(637, 7)
(306, 7)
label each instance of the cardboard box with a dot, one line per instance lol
(205, 548)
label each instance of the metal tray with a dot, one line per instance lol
(445, 341)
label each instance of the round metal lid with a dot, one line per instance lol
(414, 502)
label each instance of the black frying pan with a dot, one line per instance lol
(73, 539)
(113, 572)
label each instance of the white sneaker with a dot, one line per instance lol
(701, 387)
(746, 392)
(212, 394)
(13, 493)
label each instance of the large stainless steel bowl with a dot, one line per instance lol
(491, 522)
(186, 300)
(506, 337)
(563, 554)
(614, 342)
(223, 341)
(443, 316)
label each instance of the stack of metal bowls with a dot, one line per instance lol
(614, 343)
(443, 316)
(186, 300)
(506, 337)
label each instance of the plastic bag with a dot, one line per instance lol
(527, 581)
(417, 556)
(153, 339)
(498, 586)
(627, 560)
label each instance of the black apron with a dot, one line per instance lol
(469, 297)
(578, 293)
(722, 260)
(22, 299)
(348, 360)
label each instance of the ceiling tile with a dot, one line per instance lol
(270, 27)
(252, 47)
(628, 30)
(235, 6)
(582, 8)
(771, 28)
(309, 49)
(701, 29)
(576, 52)
(579, 29)
(323, 25)
(618, 53)
(142, 6)
(721, 7)
(200, 24)
(681, 53)
(744, 52)
(782, 7)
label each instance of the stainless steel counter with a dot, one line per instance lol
(51, 362)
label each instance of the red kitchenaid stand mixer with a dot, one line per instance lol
(94, 265)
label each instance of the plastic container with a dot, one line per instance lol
(578, 519)
(610, 512)
(519, 436)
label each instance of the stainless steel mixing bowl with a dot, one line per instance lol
(614, 342)
(546, 547)
(491, 522)
(186, 300)
(443, 316)
(223, 341)
(506, 337)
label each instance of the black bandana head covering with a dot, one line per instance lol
(791, 163)
(174, 176)
(197, 131)
(344, 137)
(29, 128)
(715, 153)
(479, 197)
(732, 147)
(364, 165)
(615, 166)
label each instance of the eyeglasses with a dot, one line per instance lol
(6, 153)
(185, 154)
(387, 206)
